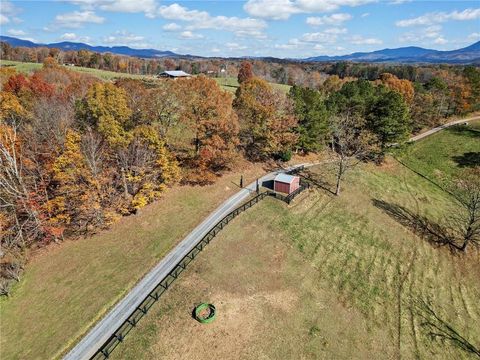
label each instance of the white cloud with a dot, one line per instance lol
(74, 37)
(360, 40)
(14, 32)
(334, 19)
(232, 46)
(318, 37)
(8, 13)
(439, 17)
(257, 34)
(190, 35)
(178, 12)
(440, 41)
(125, 38)
(271, 9)
(424, 34)
(203, 20)
(4, 20)
(399, 2)
(69, 36)
(474, 36)
(283, 9)
(336, 31)
(364, 15)
(77, 19)
(171, 27)
(127, 6)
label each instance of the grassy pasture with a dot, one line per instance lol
(441, 156)
(66, 288)
(231, 84)
(27, 67)
(327, 277)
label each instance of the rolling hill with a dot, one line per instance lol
(410, 54)
(67, 46)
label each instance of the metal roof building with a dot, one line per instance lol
(286, 183)
(174, 74)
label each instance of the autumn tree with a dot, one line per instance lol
(245, 72)
(403, 87)
(136, 97)
(466, 222)
(351, 143)
(74, 202)
(266, 120)
(149, 166)
(105, 108)
(312, 116)
(162, 106)
(208, 111)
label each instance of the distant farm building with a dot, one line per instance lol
(174, 74)
(286, 183)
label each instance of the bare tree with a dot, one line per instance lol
(351, 144)
(466, 222)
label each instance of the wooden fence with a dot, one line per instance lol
(151, 298)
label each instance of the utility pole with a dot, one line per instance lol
(241, 181)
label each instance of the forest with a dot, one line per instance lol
(78, 153)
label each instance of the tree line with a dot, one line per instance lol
(77, 153)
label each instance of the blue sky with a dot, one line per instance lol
(282, 28)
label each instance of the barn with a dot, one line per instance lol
(285, 183)
(174, 74)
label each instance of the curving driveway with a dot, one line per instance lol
(101, 332)
(444, 126)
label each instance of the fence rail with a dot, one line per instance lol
(119, 335)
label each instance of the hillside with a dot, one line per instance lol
(411, 54)
(326, 278)
(68, 45)
(307, 279)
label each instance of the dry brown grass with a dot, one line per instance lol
(67, 287)
(325, 278)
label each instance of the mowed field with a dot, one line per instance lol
(228, 84)
(328, 277)
(231, 84)
(28, 67)
(66, 288)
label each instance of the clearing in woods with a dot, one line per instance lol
(229, 84)
(328, 277)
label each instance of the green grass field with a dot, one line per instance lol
(441, 157)
(66, 288)
(328, 277)
(27, 67)
(231, 84)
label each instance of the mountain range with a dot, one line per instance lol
(411, 54)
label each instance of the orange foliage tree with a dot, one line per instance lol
(208, 111)
(246, 72)
(266, 119)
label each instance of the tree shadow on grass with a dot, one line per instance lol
(439, 330)
(317, 180)
(434, 233)
(469, 159)
(465, 130)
